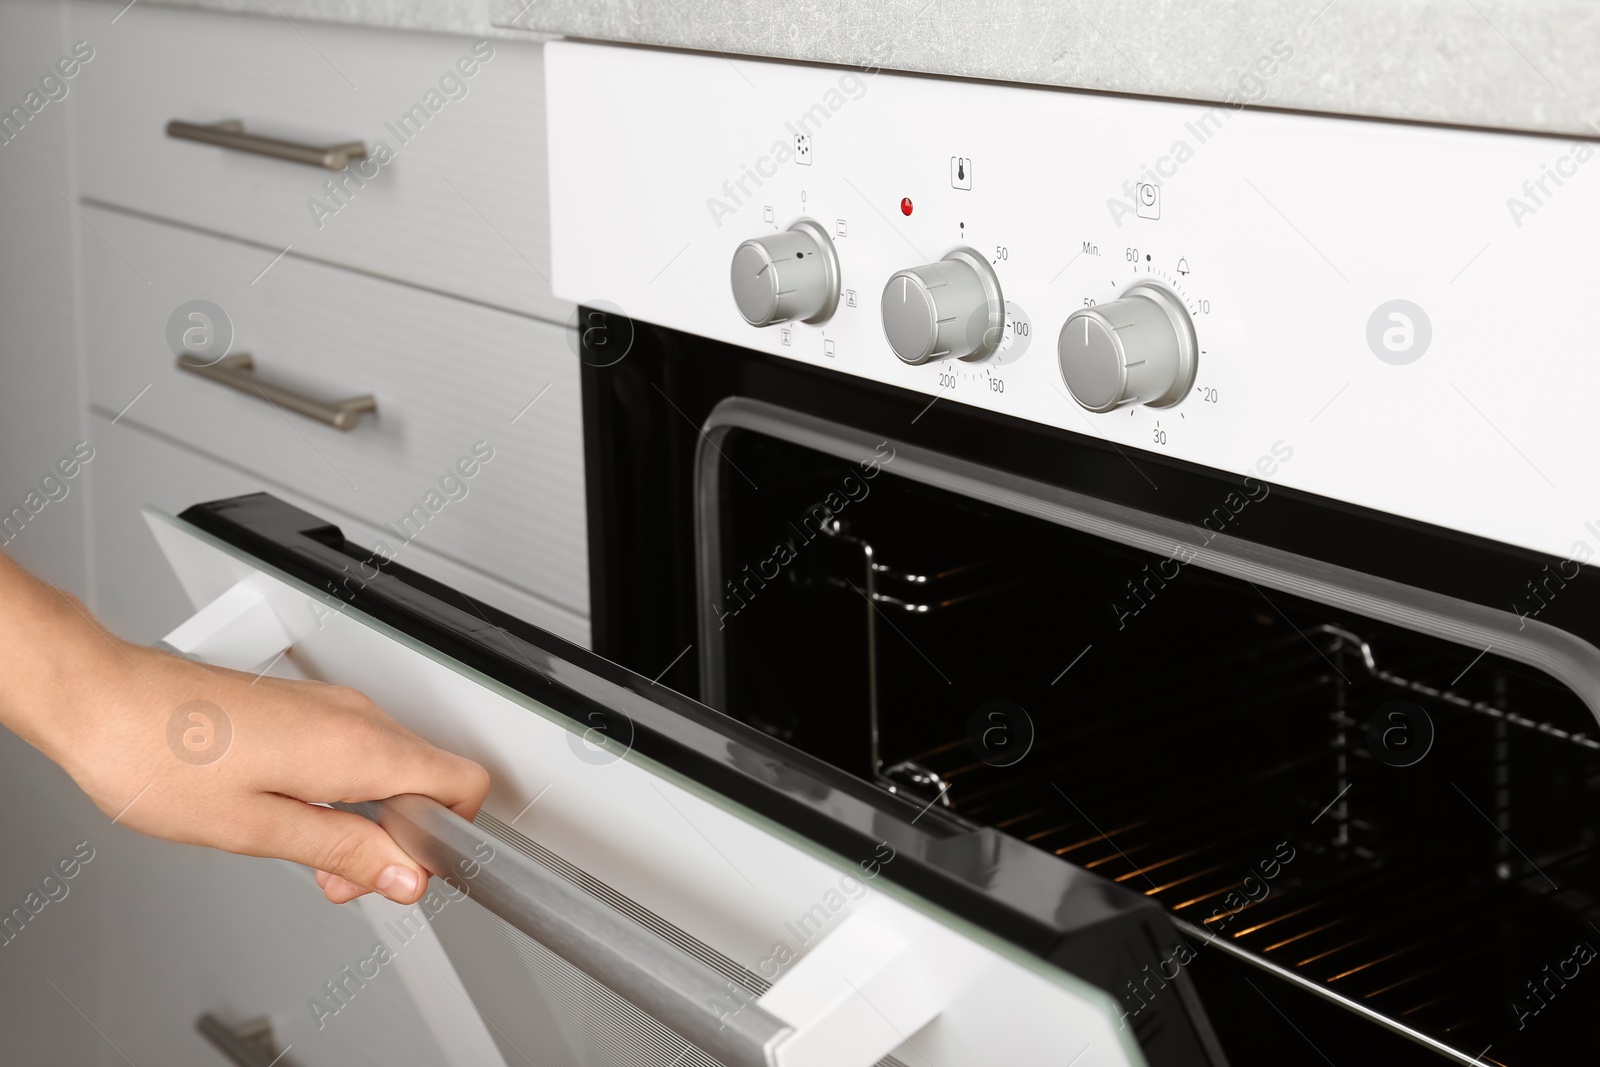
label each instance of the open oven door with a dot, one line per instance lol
(651, 882)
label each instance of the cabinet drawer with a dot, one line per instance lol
(460, 207)
(448, 377)
(134, 594)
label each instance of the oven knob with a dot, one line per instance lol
(788, 275)
(950, 308)
(1140, 349)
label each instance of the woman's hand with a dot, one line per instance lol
(208, 756)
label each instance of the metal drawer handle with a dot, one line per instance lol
(697, 1002)
(249, 1044)
(230, 134)
(238, 372)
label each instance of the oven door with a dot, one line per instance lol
(652, 882)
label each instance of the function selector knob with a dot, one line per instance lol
(1140, 349)
(950, 308)
(788, 275)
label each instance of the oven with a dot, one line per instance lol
(1203, 535)
(1360, 788)
(1073, 601)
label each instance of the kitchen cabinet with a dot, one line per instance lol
(425, 285)
(474, 452)
(42, 814)
(138, 599)
(457, 204)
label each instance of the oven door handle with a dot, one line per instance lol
(700, 1004)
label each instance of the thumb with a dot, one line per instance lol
(343, 844)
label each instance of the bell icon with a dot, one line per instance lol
(1183, 266)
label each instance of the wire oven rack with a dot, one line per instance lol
(1258, 814)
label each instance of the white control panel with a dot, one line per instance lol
(1392, 315)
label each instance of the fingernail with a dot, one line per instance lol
(397, 883)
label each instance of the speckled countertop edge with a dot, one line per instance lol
(1532, 65)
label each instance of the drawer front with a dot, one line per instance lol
(134, 594)
(460, 207)
(455, 386)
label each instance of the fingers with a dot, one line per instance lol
(317, 743)
(363, 754)
(408, 764)
(457, 782)
(371, 757)
(354, 854)
(338, 890)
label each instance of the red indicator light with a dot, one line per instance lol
(905, 206)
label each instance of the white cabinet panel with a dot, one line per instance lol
(460, 206)
(40, 416)
(453, 381)
(135, 594)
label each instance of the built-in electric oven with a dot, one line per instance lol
(1361, 786)
(1166, 487)
(1075, 580)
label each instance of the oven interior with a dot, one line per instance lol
(1343, 815)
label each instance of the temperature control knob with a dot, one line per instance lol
(950, 308)
(788, 275)
(1140, 349)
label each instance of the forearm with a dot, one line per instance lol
(53, 659)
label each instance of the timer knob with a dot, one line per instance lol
(788, 275)
(950, 308)
(1140, 349)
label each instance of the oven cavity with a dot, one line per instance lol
(1398, 824)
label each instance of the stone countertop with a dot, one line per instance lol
(1509, 64)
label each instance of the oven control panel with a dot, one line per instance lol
(1333, 304)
